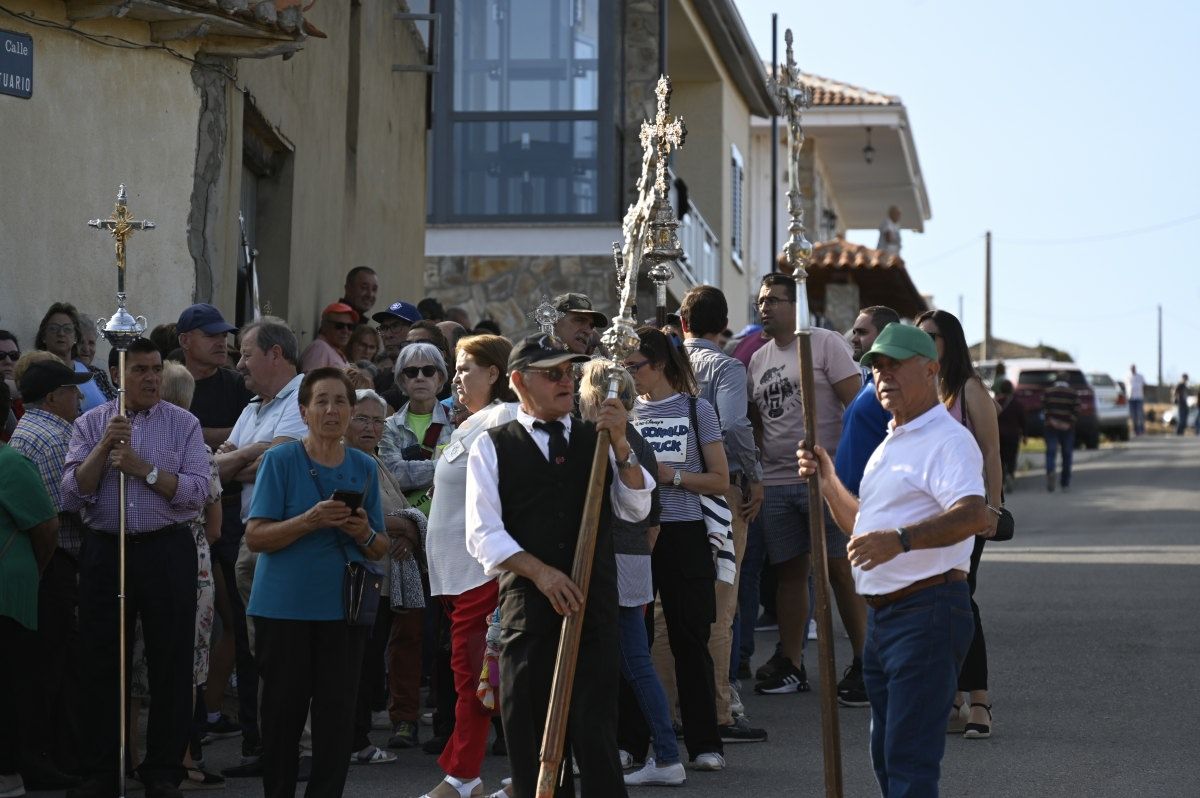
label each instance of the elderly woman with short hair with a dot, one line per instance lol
(402, 597)
(59, 333)
(302, 523)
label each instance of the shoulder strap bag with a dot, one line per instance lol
(1006, 524)
(718, 518)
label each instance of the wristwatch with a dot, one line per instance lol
(629, 462)
(677, 480)
(152, 477)
(905, 543)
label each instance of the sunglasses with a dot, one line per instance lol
(555, 374)
(341, 325)
(425, 371)
(13, 356)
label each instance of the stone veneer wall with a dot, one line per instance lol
(507, 289)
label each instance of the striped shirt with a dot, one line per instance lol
(166, 436)
(666, 426)
(43, 437)
(1060, 403)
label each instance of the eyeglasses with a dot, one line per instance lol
(55, 329)
(13, 356)
(425, 371)
(395, 326)
(365, 420)
(554, 374)
(633, 368)
(341, 325)
(771, 301)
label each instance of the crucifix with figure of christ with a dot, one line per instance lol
(121, 226)
(793, 98)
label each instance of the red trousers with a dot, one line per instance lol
(469, 614)
(404, 666)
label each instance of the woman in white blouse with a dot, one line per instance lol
(467, 593)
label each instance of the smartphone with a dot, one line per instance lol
(351, 498)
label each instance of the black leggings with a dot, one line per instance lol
(974, 672)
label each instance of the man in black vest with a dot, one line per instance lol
(526, 483)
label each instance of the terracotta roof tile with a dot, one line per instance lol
(827, 92)
(842, 254)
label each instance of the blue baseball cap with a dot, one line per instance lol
(405, 311)
(203, 317)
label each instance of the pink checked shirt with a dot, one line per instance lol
(165, 436)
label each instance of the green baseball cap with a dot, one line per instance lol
(900, 342)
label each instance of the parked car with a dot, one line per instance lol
(1171, 413)
(1030, 378)
(1112, 409)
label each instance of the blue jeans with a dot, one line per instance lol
(1181, 410)
(639, 672)
(1054, 439)
(913, 653)
(1137, 415)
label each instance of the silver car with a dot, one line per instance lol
(1112, 408)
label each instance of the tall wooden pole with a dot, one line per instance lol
(774, 142)
(648, 229)
(986, 351)
(797, 254)
(1159, 396)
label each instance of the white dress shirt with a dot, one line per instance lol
(487, 539)
(921, 470)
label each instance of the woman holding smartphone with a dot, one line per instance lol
(306, 651)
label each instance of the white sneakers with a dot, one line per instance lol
(659, 776)
(626, 760)
(710, 761)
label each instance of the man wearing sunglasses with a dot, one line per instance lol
(526, 484)
(329, 347)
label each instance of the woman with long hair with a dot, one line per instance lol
(59, 332)
(691, 462)
(964, 395)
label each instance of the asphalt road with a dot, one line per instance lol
(1093, 624)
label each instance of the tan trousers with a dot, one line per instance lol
(720, 636)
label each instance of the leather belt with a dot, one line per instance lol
(878, 602)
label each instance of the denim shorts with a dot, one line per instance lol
(785, 524)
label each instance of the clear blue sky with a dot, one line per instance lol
(1039, 120)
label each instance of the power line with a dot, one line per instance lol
(1137, 231)
(947, 253)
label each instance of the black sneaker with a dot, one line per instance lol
(220, 729)
(740, 731)
(851, 691)
(773, 666)
(788, 680)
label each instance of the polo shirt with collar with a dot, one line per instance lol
(263, 422)
(920, 471)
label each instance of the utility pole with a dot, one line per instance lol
(987, 298)
(774, 145)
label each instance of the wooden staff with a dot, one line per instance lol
(796, 255)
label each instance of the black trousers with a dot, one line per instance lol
(55, 680)
(371, 681)
(685, 578)
(15, 641)
(305, 663)
(160, 588)
(224, 554)
(974, 672)
(526, 671)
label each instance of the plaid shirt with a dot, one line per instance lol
(165, 436)
(43, 437)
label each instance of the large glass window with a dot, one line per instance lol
(523, 112)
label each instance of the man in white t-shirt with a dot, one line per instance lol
(774, 388)
(920, 504)
(1135, 390)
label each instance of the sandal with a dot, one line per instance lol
(450, 787)
(199, 779)
(373, 755)
(958, 721)
(979, 731)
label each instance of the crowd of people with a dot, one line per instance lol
(396, 507)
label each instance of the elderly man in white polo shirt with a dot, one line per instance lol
(920, 503)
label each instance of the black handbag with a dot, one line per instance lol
(361, 586)
(1005, 526)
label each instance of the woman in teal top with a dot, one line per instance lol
(305, 650)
